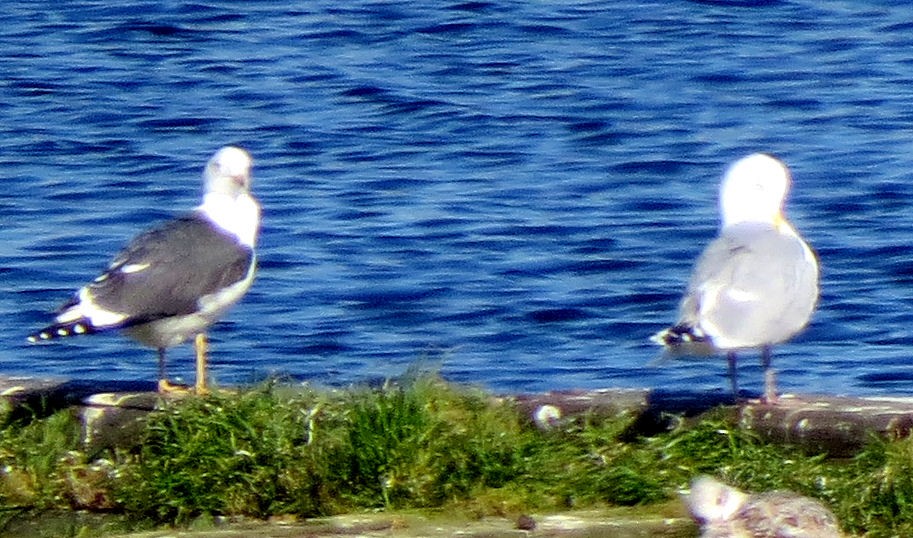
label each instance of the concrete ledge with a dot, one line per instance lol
(614, 523)
(834, 425)
(112, 411)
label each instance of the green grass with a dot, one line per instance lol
(417, 444)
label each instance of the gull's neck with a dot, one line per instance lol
(238, 215)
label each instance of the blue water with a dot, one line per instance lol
(513, 192)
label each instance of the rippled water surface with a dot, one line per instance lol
(514, 191)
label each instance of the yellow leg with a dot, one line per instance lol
(200, 345)
(167, 387)
(164, 385)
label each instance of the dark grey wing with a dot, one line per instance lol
(165, 271)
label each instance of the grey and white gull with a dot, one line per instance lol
(170, 283)
(756, 284)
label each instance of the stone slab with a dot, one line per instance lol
(112, 411)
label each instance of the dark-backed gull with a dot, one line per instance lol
(172, 282)
(756, 284)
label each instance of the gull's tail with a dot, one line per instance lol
(680, 335)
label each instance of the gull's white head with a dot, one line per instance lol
(227, 201)
(228, 172)
(753, 190)
(711, 501)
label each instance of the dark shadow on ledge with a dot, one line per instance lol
(46, 398)
(665, 409)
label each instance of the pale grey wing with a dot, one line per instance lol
(164, 272)
(752, 286)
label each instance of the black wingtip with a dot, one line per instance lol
(680, 335)
(62, 330)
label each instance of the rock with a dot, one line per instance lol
(832, 425)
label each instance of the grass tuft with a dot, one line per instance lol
(248, 454)
(32, 462)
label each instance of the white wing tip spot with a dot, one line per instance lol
(43, 335)
(134, 267)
